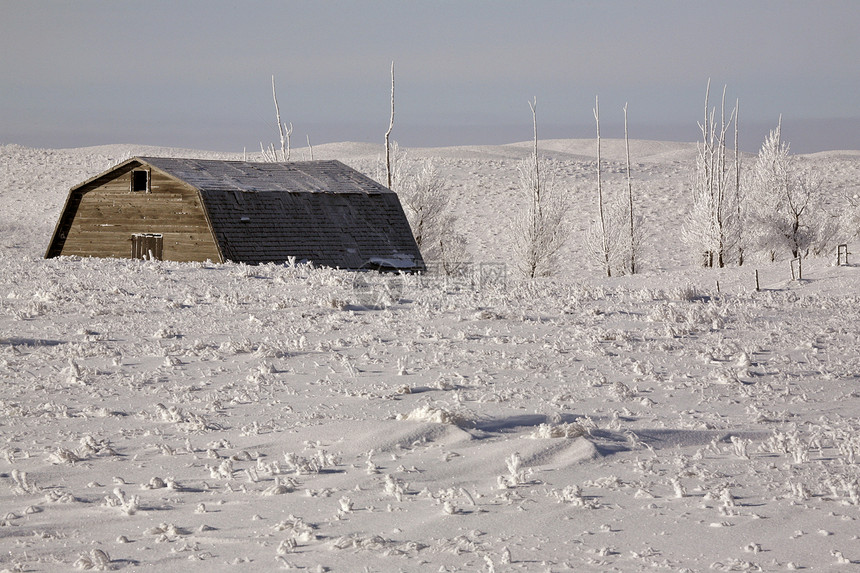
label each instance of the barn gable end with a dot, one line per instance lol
(321, 212)
(102, 215)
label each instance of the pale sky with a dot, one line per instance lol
(197, 73)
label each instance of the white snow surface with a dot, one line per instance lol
(166, 416)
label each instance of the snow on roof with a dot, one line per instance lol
(295, 177)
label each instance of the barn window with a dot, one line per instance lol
(140, 180)
(147, 246)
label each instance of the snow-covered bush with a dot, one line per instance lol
(787, 203)
(430, 209)
(539, 229)
(713, 226)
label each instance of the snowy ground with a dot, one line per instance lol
(224, 417)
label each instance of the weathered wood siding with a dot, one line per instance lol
(101, 217)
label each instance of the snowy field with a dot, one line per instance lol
(200, 417)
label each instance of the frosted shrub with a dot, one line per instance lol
(96, 560)
(92, 447)
(64, 456)
(370, 467)
(740, 446)
(314, 465)
(394, 487)
(224, 470)
(22, 482)
(154, 483)
(621, 391)
(280, 487)
(188, 422)
(852, 490)
(727, 497)
(287, 546)
(427, 413)
(514, 463)
(516, 476)
(788, 443)
(687, 293)
(848, 446)
(166, 531)
(377, 543)
(301, 530)
(345, 504)
(243, 270)
(165, 332)
(567, 430)
(127, 504)
(74, 375)
(34, 309)
(54, 496)
(572, 494)
(799, 490)
(680, 490)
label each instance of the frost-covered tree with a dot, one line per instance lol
(621, 248)
(604, 252)
(787, 203)
(284, 131)
(539, 231)
(633, 243)
(388, 166)
(850, 218)
(712, 227)
(430, 209)
(614, 240)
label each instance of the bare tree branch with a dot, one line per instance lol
(388, 133)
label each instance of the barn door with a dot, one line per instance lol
(147, 246)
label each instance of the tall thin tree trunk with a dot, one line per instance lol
(721, 170)
(600, 193)
(388, 133)
(536, 195)
(630, 197)
(280, 125)
(740, 222)
(707, 161)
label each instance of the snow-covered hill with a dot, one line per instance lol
(225, 417)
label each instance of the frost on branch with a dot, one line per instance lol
(788, 211)
(540, 230)
(713, 227)
(430, 208)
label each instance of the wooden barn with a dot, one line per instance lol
(320, 212)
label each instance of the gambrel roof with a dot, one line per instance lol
(296, 177)
(322, 212)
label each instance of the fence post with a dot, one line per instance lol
(796, 269)
(842, 255)
(757, 287)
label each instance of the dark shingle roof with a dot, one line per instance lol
(300, 176)
(317, 211)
